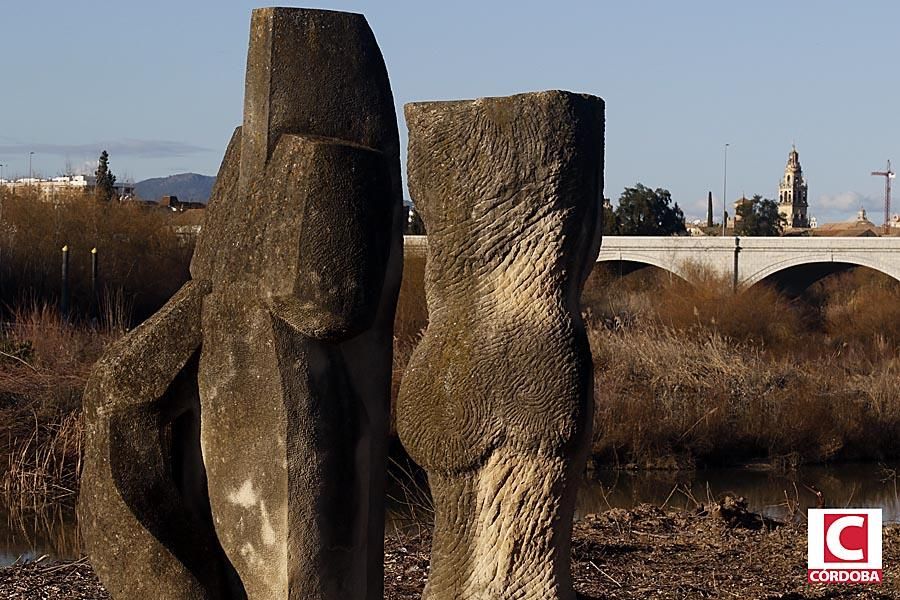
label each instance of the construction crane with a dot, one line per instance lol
(888, 175)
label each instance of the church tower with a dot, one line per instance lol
(792, 192)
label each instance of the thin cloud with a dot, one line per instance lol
(124, 147)
(843, 202)
(842, 206)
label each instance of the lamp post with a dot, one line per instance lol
(30, 176)
(725, 193)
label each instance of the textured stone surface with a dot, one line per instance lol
(237, 440)
(496, 403)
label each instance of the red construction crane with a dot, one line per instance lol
(888, 175)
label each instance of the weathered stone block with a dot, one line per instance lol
(236, 441)
(496, 403)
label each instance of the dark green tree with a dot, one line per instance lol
(758, 217)
(105, 187)
(643, 211)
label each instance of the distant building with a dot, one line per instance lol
(793, 193)
(66, 183)
(894, 222)
(695, 228)
(188, 223)
(861, 226)
(175, 205)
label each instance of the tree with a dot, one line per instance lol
(758, 217)
(643, 211)
(105, 187)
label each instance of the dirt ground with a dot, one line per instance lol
(719, 551)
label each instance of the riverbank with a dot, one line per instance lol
(718, 551)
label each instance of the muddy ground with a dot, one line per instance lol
(719, 551)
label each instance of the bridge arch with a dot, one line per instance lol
(797, 273)
(631, 262)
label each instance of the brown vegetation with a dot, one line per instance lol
(142, 261)
(44, 364)
(695, 374)
(45, 356)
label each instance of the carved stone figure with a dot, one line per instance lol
(236, 441)
(496, 403)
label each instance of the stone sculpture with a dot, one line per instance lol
(236, 441)
(496, 403)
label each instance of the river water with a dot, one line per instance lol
(55, 534)
(768, 493)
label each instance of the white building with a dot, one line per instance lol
(50, 187)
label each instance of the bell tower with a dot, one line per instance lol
(792, 193)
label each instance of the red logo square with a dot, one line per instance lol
(846, 538)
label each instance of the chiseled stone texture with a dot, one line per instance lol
(236, 441)
(496, 403)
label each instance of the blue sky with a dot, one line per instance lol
(160, 84)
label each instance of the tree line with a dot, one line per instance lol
(645, 211)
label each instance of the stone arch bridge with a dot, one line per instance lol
(791, 263)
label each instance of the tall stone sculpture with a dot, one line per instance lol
(496, 403)
(236, 441)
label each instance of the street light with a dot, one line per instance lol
(30, 176)
(725, 193)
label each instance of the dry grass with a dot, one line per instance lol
(665, 397)
(45, 358)
(728, 378)
(141, 258)
(758, 315)
(859, 308)
(410, 505)
(44, 365)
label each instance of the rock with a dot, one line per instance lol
(496, 403)
(236, 441)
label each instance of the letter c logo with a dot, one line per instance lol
(833, 538)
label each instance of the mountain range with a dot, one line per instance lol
(187, 186)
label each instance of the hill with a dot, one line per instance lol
(187, 186)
